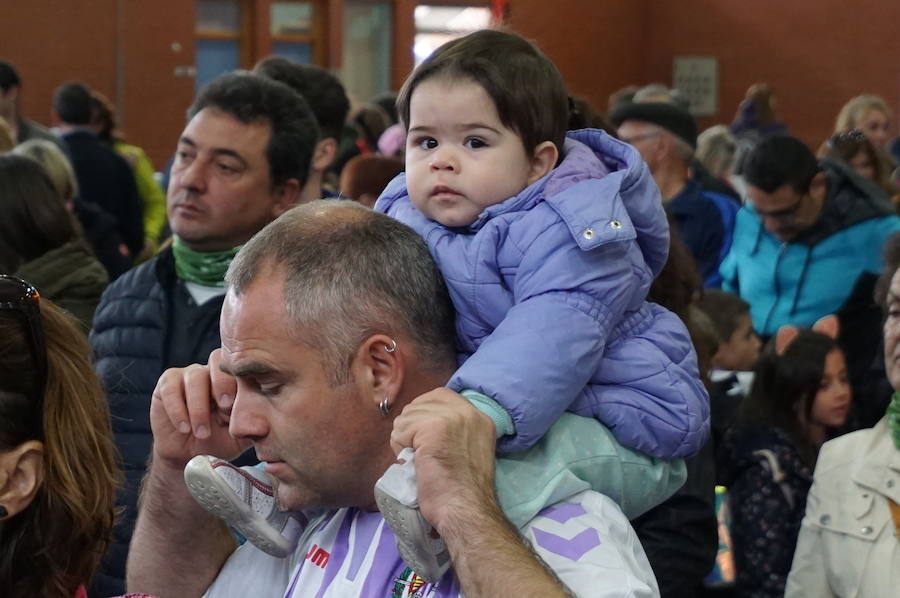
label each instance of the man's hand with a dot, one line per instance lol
(454, 444)
(178, 548)
(189, 414)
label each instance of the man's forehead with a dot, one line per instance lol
(637, 126)
(260, 301)
(216, 129)
(783, 194)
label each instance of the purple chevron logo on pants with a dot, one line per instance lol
(572, 549)
(564, 512)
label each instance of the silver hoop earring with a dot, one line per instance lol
(385, 407)
(393, 346)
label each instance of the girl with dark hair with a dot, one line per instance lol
(800, 395)
(848, 543)
(58, 472)
(41, 241)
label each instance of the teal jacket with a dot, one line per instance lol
(830, 266)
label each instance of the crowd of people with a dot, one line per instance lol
(475, 338)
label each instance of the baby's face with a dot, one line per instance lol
(460, 158)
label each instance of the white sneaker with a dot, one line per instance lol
(398, 501)
(243, 498)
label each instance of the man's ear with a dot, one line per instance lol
(324, 154)
(818, 187)
(21, 476)
(663, 145)
(543, 161)
(380, 368)
(287, 195)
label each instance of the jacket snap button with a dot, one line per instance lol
(616, 224)
(866, 530)
(588, 233)
(824, 519)
(890, 483)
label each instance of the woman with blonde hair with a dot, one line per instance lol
(716, 148)
(58, 471)
(56, 165)
(870, 115)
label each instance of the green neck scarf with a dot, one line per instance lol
(893, 416)
(202, 267)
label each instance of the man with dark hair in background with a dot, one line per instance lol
(241, 161)
(10, 94)
(807, 244)
(104, 178)
(328, 102)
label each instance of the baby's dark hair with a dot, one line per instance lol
(525, 86)
(724, 310)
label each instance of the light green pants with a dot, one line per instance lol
(577, 454)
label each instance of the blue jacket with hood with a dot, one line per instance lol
(821, 271)
(549, 288)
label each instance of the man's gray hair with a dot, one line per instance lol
(350, 273)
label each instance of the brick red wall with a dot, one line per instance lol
(596, 44)
(54, 41)
(816, 54)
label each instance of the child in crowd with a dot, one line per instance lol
(739, 345)
(800, 396)
(548, 243)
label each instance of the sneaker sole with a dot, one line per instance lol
(215, 495)
(406, 524)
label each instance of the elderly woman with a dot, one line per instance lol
(849, 543)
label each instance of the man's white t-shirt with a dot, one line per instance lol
(350, 553)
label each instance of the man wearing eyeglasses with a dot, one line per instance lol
(666, 136)
(808, 243)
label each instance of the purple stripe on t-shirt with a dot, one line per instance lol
(563, 512)
(338, 553)
(386, 567)
(364, 530)
(572, 549)
(448, 586)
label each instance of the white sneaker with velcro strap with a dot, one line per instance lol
(398, 501)
(243, 498)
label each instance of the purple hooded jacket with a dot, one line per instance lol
(549, 288)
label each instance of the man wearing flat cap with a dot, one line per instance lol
(666, 136)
